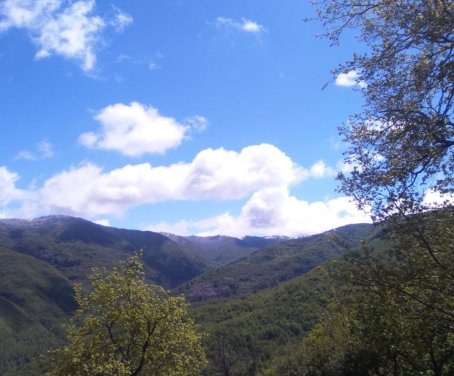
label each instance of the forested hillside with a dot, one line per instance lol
(41, 259)
(277, 263)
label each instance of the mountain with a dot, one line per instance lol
(274, 264)
(41, 259)
(34, 298)
(248, 331)
(73, 246)
(219, 250)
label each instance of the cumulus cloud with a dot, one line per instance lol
(244, 25)
(134, 130)
(435, 199)
(217, 174)
(349, 79)
(60, 28)
(321, 170)
(273, 211)
(260, 174)
(8, 189)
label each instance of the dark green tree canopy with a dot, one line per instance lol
(401, 145)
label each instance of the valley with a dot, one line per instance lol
(252, 296)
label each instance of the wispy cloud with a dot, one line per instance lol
(153, 66)
(197, 123)
(244, 25)
(43, 150)
(70, 30)
(121, 20)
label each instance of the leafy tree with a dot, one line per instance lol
(401, 145)
(396, 315)
(124, 326)
(378, 326)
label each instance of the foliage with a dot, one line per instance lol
(278, 263)
(246, 334)
(396, 316)
(124, 326)
(372, 329)
(401, 143)
(73, 246)
(220, 250)
(33, 299)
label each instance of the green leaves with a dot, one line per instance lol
(401, 142)
(124, 326)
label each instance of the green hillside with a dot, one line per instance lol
(273, 298)
(34, 300)
(248, 332)
(219, 250)
(278, 263)
(40, 261)
(73, 246)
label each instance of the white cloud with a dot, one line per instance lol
(27, 155)
(435, 199)
(245, 25)
(273, 211)
(153, 66)
(197, 123)
(261, 174)
(45, 149)
(25, 13)
(251, 26)
(121, 20)
(8, 191)
(214, 174)
(349, 79)
(102, 222)
(178, 228)
(134, 130)
(224, 174)
(321, 170)
(60, 28)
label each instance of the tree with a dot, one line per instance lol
(401, 145)
(124, 326)
(396, 314)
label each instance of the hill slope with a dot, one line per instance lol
(219, 250)
(277, 263)
(41, 259)
(73, 246)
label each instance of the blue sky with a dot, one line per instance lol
(192, 117)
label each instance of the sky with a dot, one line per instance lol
(190, 117)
